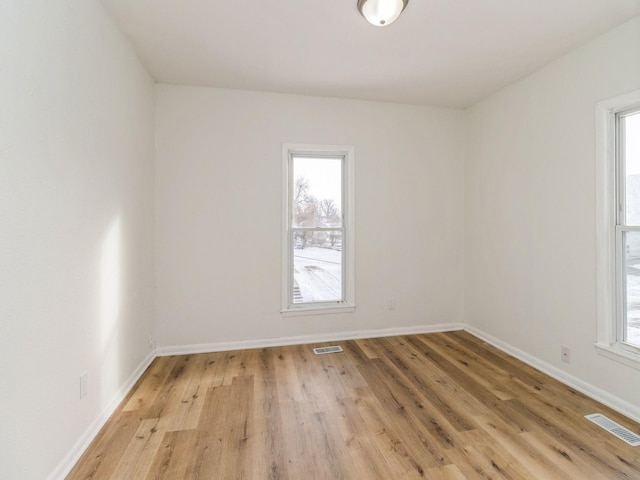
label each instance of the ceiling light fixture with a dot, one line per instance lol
(381, 12)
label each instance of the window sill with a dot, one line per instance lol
(619, 355)
(324, 310)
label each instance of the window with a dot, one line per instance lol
(618, 241)
(317, 229)
(628, 224)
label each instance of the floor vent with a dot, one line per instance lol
(615, 429)
(323, 350)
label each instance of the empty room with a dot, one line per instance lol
(320, 239)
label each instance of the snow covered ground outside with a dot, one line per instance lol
(318, 274)
(633, 252)
(633, 304)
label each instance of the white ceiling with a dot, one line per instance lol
(439, 52)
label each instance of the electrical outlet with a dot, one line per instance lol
(565, 354)
(84, 384)
(152, 344)
(391, 303)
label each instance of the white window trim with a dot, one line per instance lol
(608, 288)
(348, 305)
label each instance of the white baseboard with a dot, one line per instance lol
(602, 396)
(83, 443)
(163, 351)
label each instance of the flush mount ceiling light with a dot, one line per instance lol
(381, 12)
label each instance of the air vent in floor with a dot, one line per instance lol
(615, 429)
(323, 350)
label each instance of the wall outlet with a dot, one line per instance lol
(84, 384)
(391, 303)
(565, 354)
(152, 344)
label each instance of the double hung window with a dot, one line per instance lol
(318, 231)
(627, 127)
(619, 227)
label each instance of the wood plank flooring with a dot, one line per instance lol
(442, 406)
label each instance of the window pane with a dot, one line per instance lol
(631, 149)
(632, 297)
(317, 266)
(317, 192)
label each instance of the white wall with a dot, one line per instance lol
(77, 229)
(530, 210)
(76, 225)
(218, 232)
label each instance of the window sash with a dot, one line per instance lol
(620, 328)
(619, 150)
(343, 270)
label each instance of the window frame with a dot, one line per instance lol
(347, 153)
(610, 209)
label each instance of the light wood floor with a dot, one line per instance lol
(436, 406)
